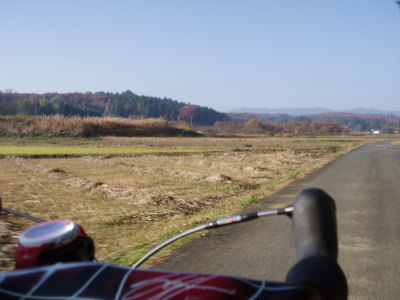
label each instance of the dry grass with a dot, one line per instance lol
(396, 143)
(130, 203)
(56, 125)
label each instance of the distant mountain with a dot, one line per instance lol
(312, 111)
(372, 112)
(289, 111)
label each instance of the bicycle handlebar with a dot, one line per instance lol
(316, 243)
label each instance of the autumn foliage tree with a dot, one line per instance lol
(254, 126)
(187, 113)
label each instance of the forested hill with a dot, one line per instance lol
(126, 104)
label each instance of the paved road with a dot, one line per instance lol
(366, 186)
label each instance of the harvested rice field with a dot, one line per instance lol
(130, 201)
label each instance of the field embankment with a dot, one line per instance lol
(129, 203)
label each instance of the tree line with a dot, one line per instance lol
(351, 121)
(301, 128)
(101, 104)
(133, 106)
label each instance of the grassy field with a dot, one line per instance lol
(69, 151)
(130, 194)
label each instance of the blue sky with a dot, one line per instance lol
(223, 54)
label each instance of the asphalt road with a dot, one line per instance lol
(366, 187)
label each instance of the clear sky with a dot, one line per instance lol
(224, 54)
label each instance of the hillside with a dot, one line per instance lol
(101, 104)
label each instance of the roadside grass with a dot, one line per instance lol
(396, 143)
(133, 202)
(250, 200)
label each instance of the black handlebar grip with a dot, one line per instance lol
(314, 224)
(316, 243)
